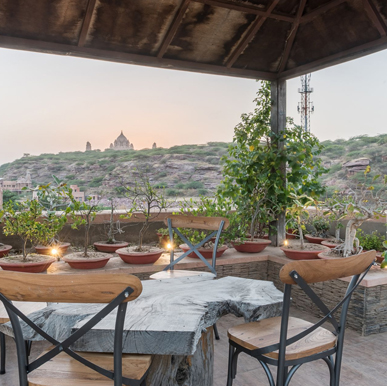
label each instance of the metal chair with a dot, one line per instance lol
(60, 364)
(287, 342)
(216, 224)
(26, 308)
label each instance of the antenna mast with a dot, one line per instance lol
(305, 107)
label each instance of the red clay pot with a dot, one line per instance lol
(4, 250)
(46, 250)
(139, 257)
(290, 235)
(315, 240)
(248, 246)
(207, 253)
(37, 267)
(110, 248)
(295, 254)
(99, 262)
(329, 244)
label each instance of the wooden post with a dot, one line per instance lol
(278, 124)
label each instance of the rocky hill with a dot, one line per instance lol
(187, 170)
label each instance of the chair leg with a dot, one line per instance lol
(230, 375)
(216, 332)
(268, 373)
(3, 352)
(331, 365)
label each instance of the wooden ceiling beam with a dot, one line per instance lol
(375, 16)
(318, 11)
(250, 9)
(86, 22)
(173, 28)
(123, 57)
(255, 27)
(340, 57)
(292, 35)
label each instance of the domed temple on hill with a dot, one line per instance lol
(121, 143)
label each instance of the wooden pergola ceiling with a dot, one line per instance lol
(261, 39)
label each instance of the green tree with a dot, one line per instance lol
(254, 167)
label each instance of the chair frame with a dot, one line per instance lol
(25, 368)
(194, 248)
(284, 375)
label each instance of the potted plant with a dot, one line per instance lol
(113, 227)
(54, 199)
(335, 212)
(321, 228)
(383, 263)
(205, 206)
(146, 204)
(374, 240)
(252, 177)
(24, 219)
(83, 214)
(361, 203)
(299, 212)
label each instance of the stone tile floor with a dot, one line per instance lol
(363, 362)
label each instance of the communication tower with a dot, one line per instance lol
(305, 107)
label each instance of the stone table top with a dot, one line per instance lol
(168, 318)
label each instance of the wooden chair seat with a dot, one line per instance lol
(176, 273)
(65, 371)
(266, 332)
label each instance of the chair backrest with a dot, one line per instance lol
(215, 224)
(315, 271)
(113, 289)
(78, 288)
(302, 272)
(197, 222)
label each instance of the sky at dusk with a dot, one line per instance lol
(52, 103)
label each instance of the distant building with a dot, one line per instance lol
(154, 146)
(77, 194)
(88, 146)
(121, 143)
(18, 185)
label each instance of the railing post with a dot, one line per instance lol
(278, 124)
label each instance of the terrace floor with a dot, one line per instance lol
(363, 361)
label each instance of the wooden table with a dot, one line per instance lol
(172, 319)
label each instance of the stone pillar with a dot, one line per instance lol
(278, 124)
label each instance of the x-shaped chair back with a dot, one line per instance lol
(216, 224)
(115, 290)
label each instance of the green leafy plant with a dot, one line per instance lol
(146, 203)
(299, 212)
(374, 240)
(253, 173)
(321, 226)
(84, 213)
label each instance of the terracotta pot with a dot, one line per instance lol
(329, 244)
(207, 253)
(46, 250)
(4, 250)
(315, 240)
(248, 246)
(290, 235)
(29, 267)
(325, 256)
(379, 257)
(139, 257)
(300, 254)
(98, 262)
(110, 248)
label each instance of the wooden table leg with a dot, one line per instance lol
(177, 370)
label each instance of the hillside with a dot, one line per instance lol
(187, 170)
(337, 153)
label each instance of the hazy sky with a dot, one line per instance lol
(52, 103)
